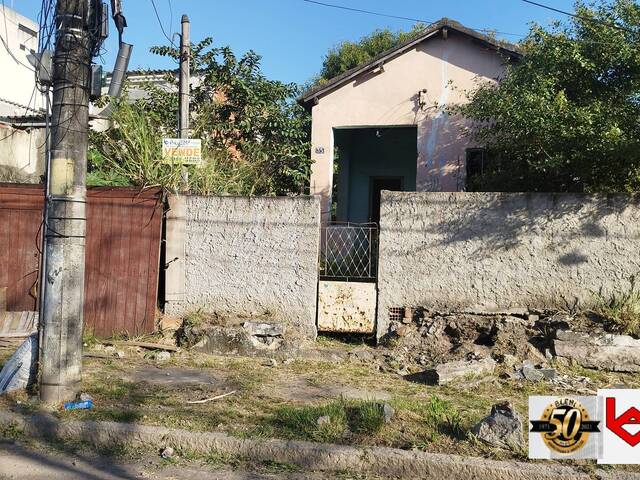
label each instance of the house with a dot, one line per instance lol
(18, 92)
(383, 125)
(22, 105)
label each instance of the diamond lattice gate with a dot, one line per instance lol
(347, 293)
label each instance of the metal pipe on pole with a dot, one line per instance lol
(65, 217)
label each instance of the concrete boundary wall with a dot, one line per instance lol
(244, 257)
(493, 251)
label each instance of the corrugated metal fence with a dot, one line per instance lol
(124, 228)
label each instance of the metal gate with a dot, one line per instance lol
(124, 228)
(347, 290)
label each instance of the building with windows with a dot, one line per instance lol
(384, 125)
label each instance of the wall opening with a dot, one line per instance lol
(366, 161)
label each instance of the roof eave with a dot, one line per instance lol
(309, 98)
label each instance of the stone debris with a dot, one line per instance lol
(388, 412)
(447, 372)
(162, 356)
(262, 329)
(324, 419)
(270, 362)
(502, 428)
(167, 452)
(616, 353)
(85, 397)
(533, 374)
(574, 384)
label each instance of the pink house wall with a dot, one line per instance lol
(446, 69)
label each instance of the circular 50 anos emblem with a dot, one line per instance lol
(565, 425)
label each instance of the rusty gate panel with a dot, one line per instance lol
(346, 307)
(348, 268)
(20, 221)
(124, 228)
(122, 260)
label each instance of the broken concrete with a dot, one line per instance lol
(616, 353)
(447, 372)
(502, 428)
(533, 374)
(262, 329)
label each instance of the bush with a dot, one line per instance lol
(621, 313)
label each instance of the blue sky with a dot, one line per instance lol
(293, 36)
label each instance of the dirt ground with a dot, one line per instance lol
(36, 461)
(284, 399)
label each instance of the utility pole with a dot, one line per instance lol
(61, 314)
(185, 67)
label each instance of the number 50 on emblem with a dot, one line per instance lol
(563, 427)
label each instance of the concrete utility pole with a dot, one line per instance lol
(185, 67)
(63, 296)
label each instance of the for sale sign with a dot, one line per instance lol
(182, 150)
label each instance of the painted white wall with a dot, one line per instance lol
(21, 154)
(446, 69)
(17, 82)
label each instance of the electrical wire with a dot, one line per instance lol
(398, 17)
(155, 9)
(368, 12)
(579, 17)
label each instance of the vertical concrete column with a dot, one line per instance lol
(322, 168)
(175, 272)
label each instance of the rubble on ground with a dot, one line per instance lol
(446, 372)
(388, 412)
(604, 351)
(237, 336)
(162, 356)
(523, 342)
(502, 428)
(167, 452)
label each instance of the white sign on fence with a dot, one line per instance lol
(182, 150)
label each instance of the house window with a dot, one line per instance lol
(476, 161)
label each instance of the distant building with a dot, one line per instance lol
(22, 105)
(18, 93)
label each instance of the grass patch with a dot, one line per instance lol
(621, 312)
(442, 416)
(329, 422)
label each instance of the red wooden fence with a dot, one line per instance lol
(124, 228)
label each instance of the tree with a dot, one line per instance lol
(348, 55)
(255, 136)
(567, 116)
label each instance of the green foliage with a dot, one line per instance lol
(565, 117)
(365, 417)
(621, 312)
(348, 55)
(235, 109)
(442, 417)
(130, 151)
(256, 139)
